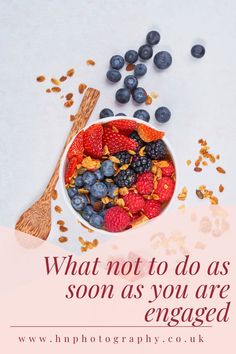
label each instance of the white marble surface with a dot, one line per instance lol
(49, 37)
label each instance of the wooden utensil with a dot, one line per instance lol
(36, 220)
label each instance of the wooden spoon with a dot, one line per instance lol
(36, 220)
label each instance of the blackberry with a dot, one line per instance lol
(124, 157)
(141, 164)
(157, 150)
(134, 136)
(125, 178)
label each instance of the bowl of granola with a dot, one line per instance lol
(118, 173)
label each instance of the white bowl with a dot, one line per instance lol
(62, 177)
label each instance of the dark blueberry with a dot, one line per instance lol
(108, 168)
(79, 182)
(72, 192)
(98, 190)
(134, 136)
(102, 213)
(131, 56)
(89, 178)
(117, 62)
(141, 164)
(96, 220)
(162, 114)
(99, 174)
(120, 114)
(198, 51)
(139, 95)
(92, 199)
(123, 95)
(162, 60)
(87, 212)
(131, 82)
(125, 178)
(145, 52)
(112, 190)
(106, 112)
(79, 202)
(142, 114)
(113, 75)
(157, 150)
(124, 157)
(140, 69)
(153, 37)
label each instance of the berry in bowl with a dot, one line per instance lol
(118, 174)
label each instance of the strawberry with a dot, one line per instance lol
(124, 126)
(77, 148)
(134, 202)
(93, 140)
(152, 208)
(116, 219)
(165, 189)
(148, 134)
(70, 168)
(169, 170)
(145, 183)
(117, 142)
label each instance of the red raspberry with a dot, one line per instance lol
(145, 183)
(152, 208)
(165, 189)
(116, 219)
(134, 202)
(168, 171)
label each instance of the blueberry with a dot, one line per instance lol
(139, 95)
(87, 212)
(123, 95)
(142, 114)
(131, 56)
(102, 213)
(89, 178)
(99, 174)
(96, 220)
(87, 187)
(79, 202)
(98, 190)
(121, 114)
(93, 199)
(108, 168)
(162, 114)
(162, 60)
(140, 69)
(145, 52)
(106, 112)
(112, 190)
(113, 75)
(79, 182)
(117, 62)
(72, 192)
(131, 82)
(153, 37)
(198, 51)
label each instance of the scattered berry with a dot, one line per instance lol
(157, 150)
(152, 208)
(76, 149)
(123, 95)
(125, 178)
(168, 171)
(117, 142)
(106, 112)
(141, 164)
(134, 136)
(116, 219)
(145, 52)
(149, 134)
(134, 202)
(162, 114)
(124, 157)
(72, 192)
(79, 202)
(117, 62)
(140, 70)
(96, 220)
(131, 82)
(145, 183)
(98, 190)
(139, 95)
(162, 60)
(198, 51)
(142, 114)
(89, 178)
(153, 37)
(108, 168)
(93, 140)
(124, 126)
(165, 189)
(113, 75)
(131, 56)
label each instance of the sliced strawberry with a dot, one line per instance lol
(117, 142)
(124, 126)
(77, 148)
(70, 168)
(148, 134)
(93, 140)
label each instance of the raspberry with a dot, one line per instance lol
(145, 183)
(93, 140)
(134, 202)
(117, 142)
(149, 134)
(124, 126)
(116, 219)
(165, 189)
(152, 208)
(168, 171)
